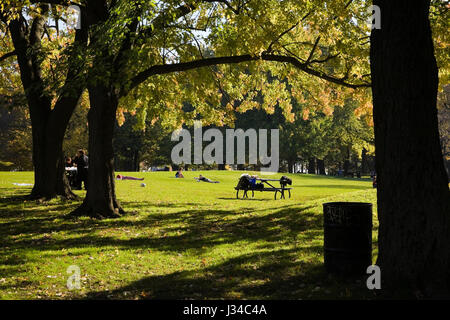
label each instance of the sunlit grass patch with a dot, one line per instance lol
(187, 240)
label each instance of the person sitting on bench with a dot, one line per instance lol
(252, 181)
(204, 179)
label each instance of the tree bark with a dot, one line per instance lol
(321, 166)
(312, 166)
(101, 201)
(364, 161)
(413, 195)
(49, 173)
(48, 125)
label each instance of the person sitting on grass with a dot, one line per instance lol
(120, 177)
(179, 174)
(204, 179)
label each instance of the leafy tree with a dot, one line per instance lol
(15, 135)
(133, 144)
(125, 32)
(52, 85)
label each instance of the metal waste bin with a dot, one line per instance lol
(347, 237)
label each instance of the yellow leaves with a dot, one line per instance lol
(305, 114)
(120, 116)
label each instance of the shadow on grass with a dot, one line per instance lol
(334, 186)
(201, 228)
(287, 262)
(277, 274)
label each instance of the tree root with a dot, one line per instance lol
(87, 211)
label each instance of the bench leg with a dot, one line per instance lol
(282, 194)
(245, 194)
(289, 193)
(276, 195)
(237, 194)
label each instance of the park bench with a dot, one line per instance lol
(265, 186)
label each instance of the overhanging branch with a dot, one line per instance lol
(200, 63)
(7, 55)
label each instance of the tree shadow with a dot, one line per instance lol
(287, 262)
(277, 274)
(335, 186)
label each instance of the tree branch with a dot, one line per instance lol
(312, 50)
(185, 66)
(7, 55)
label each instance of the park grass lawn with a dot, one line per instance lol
(182, 240)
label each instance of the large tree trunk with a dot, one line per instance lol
(48, 125)
(49, 173)
(101, 201)
(413, 195)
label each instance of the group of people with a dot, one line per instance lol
(80, 175)
(200, 178)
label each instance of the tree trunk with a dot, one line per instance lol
(48, 125)
(101, 201)
(321, 167)
(49, 173)
(292, 166)
(347, 163)
(413, 195)
(136, 161)
(364, 161)
(312, 166)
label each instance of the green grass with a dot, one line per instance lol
(185, 240)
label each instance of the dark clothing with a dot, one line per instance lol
(82, 171)
(81, 162)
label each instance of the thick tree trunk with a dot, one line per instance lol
(312, 166)
(321, 166)
(101, 201)
(413, 195)
(49, 173)
(48, 125)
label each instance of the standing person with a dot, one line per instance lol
(82, 162)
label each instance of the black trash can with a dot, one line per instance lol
(347, 237)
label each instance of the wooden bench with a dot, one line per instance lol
(271, 188)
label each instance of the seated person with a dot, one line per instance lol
(179, 174)
(204, 179)
(252, 181)
(68, 162)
